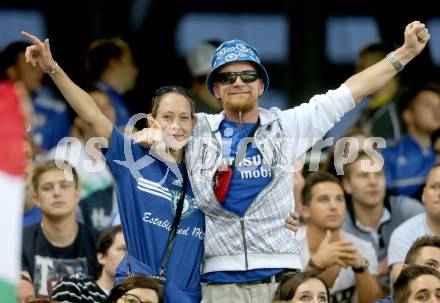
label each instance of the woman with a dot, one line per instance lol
(302, 287)
(136, 289)
(148, 190)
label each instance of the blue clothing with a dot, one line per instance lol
(147, 202)
(249, 178)
(53, 120)
(407, 165)
(118, 102)
(387, 299)
(31, 216)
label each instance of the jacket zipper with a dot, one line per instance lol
(244, 242)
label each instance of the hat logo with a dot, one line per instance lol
(231, 57)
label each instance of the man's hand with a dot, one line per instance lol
(338, 252)
(416, 37)
(39, 53)
(292, 221)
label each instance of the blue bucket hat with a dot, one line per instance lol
(235, 51)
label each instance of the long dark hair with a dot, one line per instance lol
(133, 282)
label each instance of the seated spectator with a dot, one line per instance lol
(417, 284)
(378, 113)
(424, 251)
(408, 162)
(136, 289)
(341, 151)
(372, 213)
(77, 288)
(347, 262)
(302, 287)
(58, 246)
(95, 179)
(427, 223)
(52, 116)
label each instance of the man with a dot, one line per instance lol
(407, 163)
(346, 261)
(427, 223)
(372, 213)
(58, 246)
(417, 284)
(378, 113)
(111, 67)
(245, 247)
(199, 65)
(79, 288)
(48, 110)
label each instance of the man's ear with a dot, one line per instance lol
(12, 73)
(36, 200)
(305, 211)
(216, 90)
(101, 258)
(260, 87)
(346, 186)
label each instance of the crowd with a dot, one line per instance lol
(216, 205)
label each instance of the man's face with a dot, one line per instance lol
(57, 196)
(431, 194)
(239, 96)
(428, 256)
(128, 70)
(326, 208)
(425, 288)
(365, 188)
(110, 261)
(424, 113)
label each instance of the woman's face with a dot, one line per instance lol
(139, 295)
(312, 290)
(174, 117)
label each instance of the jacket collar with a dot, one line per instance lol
(266, 117)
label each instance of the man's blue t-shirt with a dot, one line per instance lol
(53, 121)
(147, 203)
(118, 102)
(250, 176)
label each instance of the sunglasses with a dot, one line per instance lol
(246, 76)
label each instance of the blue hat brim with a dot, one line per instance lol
(261, 71)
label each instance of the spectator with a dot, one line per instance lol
(347, 262)
(95, 179)
(378, 113)
(111, 67)
(427, 223)
(58, 246)
(79, 288)
(424, 251)
(48, 109)
(136, 289)
(417, 284)
(302, 287)
(199, 65)
(407, 163)
(373, 214)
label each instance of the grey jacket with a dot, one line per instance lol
(258, 239)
